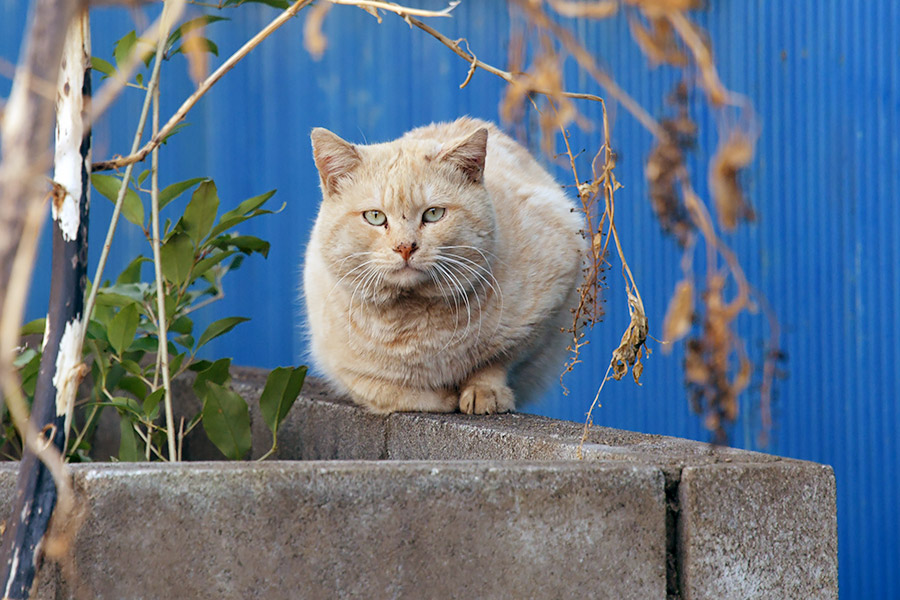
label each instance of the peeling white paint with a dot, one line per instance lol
(46, 332)
(68, 365)
(69, 132)
(13, 566)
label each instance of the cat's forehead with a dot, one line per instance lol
(403, 154)
(401, 172)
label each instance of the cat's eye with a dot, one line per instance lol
(433, 214)
(375, 217)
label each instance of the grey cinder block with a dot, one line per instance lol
(758, 531)
(368, 530)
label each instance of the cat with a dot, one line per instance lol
(441, 270)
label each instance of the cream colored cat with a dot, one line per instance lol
(441, 269)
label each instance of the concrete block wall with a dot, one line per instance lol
(452, 506)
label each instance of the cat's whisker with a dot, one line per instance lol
(478, 297)
(495, 286)
(438, 274)
(348, 273)
(476, 270)
(436, 279)
(462, 293)
(480, 251)
(360, 278)
(454, 295)
(457, 267)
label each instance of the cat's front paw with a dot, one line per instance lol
(486, 398)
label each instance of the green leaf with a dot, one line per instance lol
(226, 420)
(132, 367)
(208, 45)
(177, 258)
(102, 66)
(170, 192)
(25, 357)
(29, 371)
(200, 213)
(175, 129)
(96, 330)
(127, 406)
(124, 47)
(199, 366)
(33, 327)
(210, 261)
(132, 273)
(129, 450)
(280, 4)
(132, 385)
(145, 343)
(29, 374)
(188, 26)
(247, 244)
(151, 403)
(132, 207)
(185, 340)
(282, 388)
(217, 372)
(238, 215)
(123, 327)
(175, 361)
(182, 325)
(218, 328)
(122, 294)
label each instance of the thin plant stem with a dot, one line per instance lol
(162, 330)
(120, 197)
(588, 421)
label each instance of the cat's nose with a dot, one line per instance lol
(406, 250)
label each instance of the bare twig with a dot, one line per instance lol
(202, 89)
(505, 75)
(162, 331)
(400, 10)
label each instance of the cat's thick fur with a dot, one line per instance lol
(460, 308)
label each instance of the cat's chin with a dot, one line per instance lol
(408, 277)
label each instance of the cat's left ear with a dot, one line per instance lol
(468, 155)
(334, 157)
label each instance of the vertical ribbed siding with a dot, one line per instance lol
(824, 80)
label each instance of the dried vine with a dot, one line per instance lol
(717, 368)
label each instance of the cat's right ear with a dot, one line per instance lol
(335, 158)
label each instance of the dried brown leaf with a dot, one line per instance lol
(629, 351)
(731, 156)
(638, 369)
(196, 51)
(372, 11)
(680, 314)
(658, 41)
(589, 10)
(656, 8)
(695, 368)
(314, 40)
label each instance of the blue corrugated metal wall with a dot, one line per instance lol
(823, 77)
